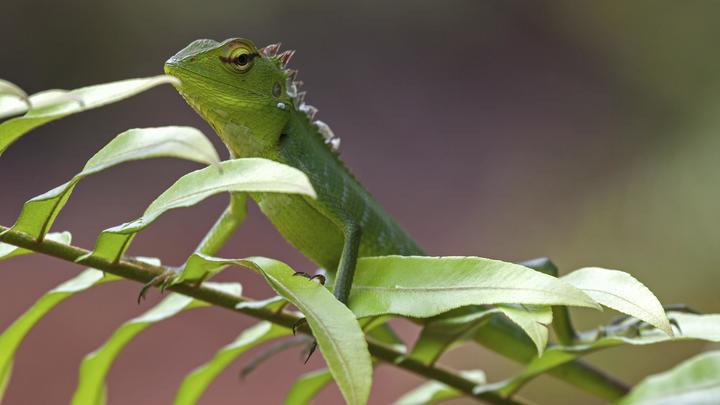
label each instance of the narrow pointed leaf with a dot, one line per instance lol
(186, 143)
(5, 374)
(622, 292)
(102, 399)
(532, 319)
(434, 392)
(95, 366)
(695, 381)
(549, 360)
(426, 286)
(308, 386)
(239, 175)
(11, 105)
(13, 336)
(692, 327)
(61, 104)
(338, 334)
(195, 384)
(383, 333)
(13, 100)
(7, 251)
(11, 89)
(40, 100)
(440, 334)
(272, 303)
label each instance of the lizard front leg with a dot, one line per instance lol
(345, 273)
(346, 267)
(348, 259)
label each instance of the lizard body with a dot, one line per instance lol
(250, 99)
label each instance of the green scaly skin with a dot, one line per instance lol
(250, 100)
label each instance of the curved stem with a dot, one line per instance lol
(144, 273)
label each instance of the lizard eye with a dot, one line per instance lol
(239, 59)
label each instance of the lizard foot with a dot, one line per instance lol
(310, 349)
(163, 280)
(320, 277)
(271, 351)
(298, 324)
(629, 326)
(312, 346)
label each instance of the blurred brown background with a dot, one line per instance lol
(584, 131)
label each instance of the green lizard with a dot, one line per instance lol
(251, 100)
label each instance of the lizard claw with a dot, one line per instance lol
(298, 324)
(684, 308)
(676, 324)
(634, 327)
(163, 280)
(312, 346)
(271, 351)
(310, 350)
(143, 291)
(320, 277)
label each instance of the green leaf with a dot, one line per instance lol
(7, 250)
(102, 398)
(338, 334)
(439, 334)
(251, 175)
(11, 105)
(13, 100)
(694, 381)
(195, 384)
(55, 104)
(11, 89)
(307, 387)
(422, 287)
(550, 359)
(692, 326)
(12, 337)
(382, 332)
(434, 392)
(532, 319)
(96, 365)
(275, 303)
(622, 292)
(186, 143)
(5, 374)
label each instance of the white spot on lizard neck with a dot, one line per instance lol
(334, 144)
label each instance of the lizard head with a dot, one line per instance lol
(243, 92)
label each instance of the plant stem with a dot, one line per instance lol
(590, 379)
(143, 273)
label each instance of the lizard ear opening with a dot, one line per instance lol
(277, 89)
